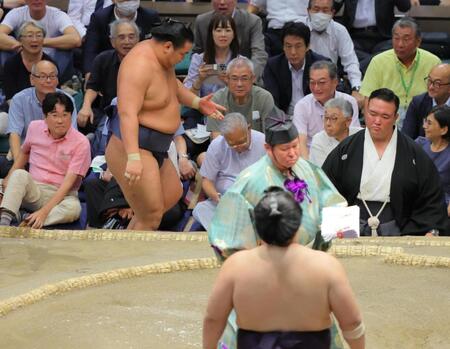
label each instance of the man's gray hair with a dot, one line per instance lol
(33, 24)
(114, 26)
(407, 22)
(330, 66)
(241, 61)
(342, 104)
(233, 122)
(34, 66)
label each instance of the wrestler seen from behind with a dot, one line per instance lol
(149, 98)
(276, 305)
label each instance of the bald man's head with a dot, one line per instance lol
(44, 77)
(438, 83)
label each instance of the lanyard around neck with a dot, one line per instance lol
(407, 88)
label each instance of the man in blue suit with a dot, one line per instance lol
(286, 76)
(438, 93)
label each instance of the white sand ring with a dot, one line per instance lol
(10, 304)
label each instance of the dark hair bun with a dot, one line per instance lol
(277, 217)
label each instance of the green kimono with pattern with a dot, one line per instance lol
(232, 228)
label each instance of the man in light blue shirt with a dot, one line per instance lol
(26, 106)
(237, 148)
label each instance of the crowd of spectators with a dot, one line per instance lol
(330, 75)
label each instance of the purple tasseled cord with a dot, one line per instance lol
(299, 188)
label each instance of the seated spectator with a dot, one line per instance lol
(286, 76)
(436, 145)
(242, 96)
(331, 39)
(336, 127)
(402, 69)
(107, 207)
(102, 83)
(17, 68)
(222, 45)
(237, 148)
(370, 23)
(283, 293)
(248, 31)
(438, 93)
(207, 73)
(278, 14)
(388, 175)
(309, 111)
(26, 106)
(97, 37)
(58, 158)
(59, 29)
(80, 12)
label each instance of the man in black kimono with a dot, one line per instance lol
(390, 178)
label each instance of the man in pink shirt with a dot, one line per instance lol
(58, 156)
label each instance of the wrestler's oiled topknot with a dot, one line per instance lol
(277, 217)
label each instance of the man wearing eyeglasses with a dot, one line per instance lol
(241, 96)
(309, 111)
(336, 127)
(26, 106)
(237, 148)
(61, 33)
(438, 93)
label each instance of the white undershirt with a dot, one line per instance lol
(377, 173)
(365, 14)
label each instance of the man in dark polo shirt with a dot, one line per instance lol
(102, 82)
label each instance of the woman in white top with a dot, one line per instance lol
(207, 69)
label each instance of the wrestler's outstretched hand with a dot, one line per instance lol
(133, 171)
(211, 109)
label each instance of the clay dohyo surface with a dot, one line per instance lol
(403, 306)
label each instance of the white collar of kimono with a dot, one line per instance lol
(377, 173)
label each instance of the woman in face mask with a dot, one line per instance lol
(127, 8)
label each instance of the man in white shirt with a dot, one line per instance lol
(309, 111)
(80, 12)
(332, 40)
(236, 149)
(61, 33)
(336, 124)
(279, 12)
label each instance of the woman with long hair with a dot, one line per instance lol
(207, 69)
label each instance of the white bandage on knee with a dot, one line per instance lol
(356, 333)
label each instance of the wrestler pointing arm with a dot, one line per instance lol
(149, 97)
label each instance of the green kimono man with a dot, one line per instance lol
(232, 228)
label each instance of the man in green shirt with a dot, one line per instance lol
(241, 96)
(402, 69)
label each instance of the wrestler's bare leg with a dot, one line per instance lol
(148, 197)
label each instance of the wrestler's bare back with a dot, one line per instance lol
(148, 89)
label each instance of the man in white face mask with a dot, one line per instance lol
(97, 35)
(332, 40)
